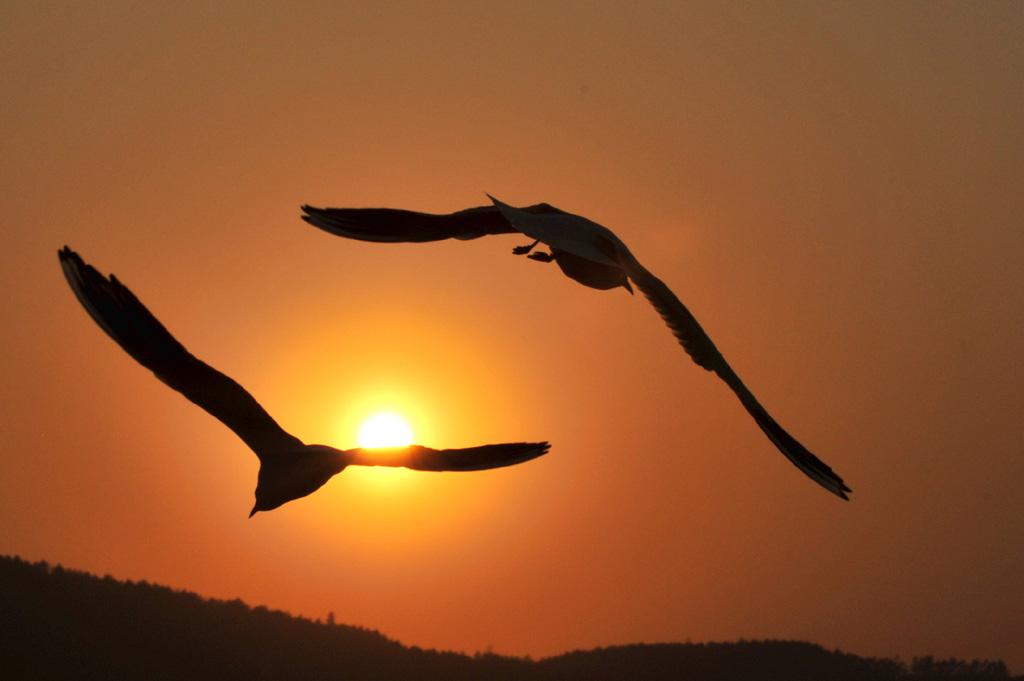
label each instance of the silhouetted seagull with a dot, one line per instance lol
(587, 252)
(289, 469)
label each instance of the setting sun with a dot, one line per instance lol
(385, 430)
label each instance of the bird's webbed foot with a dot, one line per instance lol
(541, 256)
(523, 250)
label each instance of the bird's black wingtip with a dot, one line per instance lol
(836, 486)
(72, 264)
(314, 216)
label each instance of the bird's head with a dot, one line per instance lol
(294, 475)
(267, 501)
(589, 273)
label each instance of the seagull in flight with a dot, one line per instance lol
(588, 253)
(289, 469)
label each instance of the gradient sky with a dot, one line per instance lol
(833, 189)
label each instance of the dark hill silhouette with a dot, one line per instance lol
(57, 623)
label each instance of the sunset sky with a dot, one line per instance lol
(833, 189)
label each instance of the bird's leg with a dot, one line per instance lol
(539, 256)
(523, 250)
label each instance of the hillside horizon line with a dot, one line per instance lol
(59, 622)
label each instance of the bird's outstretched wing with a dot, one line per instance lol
(118, 312)
(391, 225)
(703, 351)
(421, 458)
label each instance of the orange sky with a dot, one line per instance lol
(833, 191)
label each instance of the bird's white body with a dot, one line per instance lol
(567, 232)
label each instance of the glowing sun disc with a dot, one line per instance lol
(385, 430)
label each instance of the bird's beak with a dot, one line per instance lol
(253, 511)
